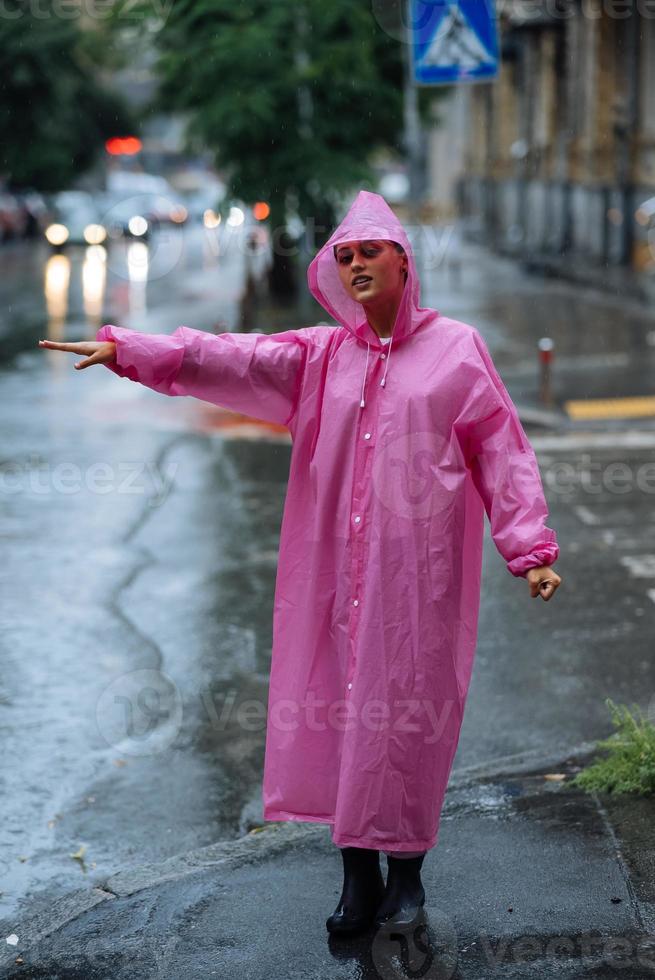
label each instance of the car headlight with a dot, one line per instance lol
(56, 234)
(94, 234)
(137, 225)
(179, 214)
(210, 219)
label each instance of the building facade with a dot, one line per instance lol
(558, 153)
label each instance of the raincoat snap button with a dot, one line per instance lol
(357, 519)
(355, 602)
(383, 356)
(350, 687)
(367, 435)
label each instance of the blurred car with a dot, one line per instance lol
(207, 199)
(35, 210)
(167, 208)
(124, 217)
(137, 216)
(13, 220)
(75, 221)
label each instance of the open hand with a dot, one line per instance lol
(543, 581)
(95, 351)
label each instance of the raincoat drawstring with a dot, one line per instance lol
(386, 366)
(362, 403)
(368, 347)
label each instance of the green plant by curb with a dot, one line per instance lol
(629, 766)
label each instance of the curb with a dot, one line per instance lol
(47, 917)
(258, 844)
(603, 278)
(531, 762)
(542, 418)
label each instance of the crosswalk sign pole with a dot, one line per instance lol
(413, 136)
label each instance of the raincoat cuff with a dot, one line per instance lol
(147, 358)
(546, 554)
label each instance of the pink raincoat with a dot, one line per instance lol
(397, 452)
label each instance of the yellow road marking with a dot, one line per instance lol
(611, 408)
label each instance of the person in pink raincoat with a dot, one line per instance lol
(403, 436)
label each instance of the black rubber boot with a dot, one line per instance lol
(404, 895)
(363, 889)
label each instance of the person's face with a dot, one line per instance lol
(378, 264)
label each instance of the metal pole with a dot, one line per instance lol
(412, 140)
(633, 109)
(546, 351)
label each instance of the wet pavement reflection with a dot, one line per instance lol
(140, 539)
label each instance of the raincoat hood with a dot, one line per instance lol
(369, 217)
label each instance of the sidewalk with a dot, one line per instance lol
(603, 334)
(529, 879)
(624, 282)
(619, 281)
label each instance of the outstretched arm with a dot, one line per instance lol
(506, 474)
(256, 374)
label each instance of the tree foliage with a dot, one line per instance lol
(292, 96)
(54, 115)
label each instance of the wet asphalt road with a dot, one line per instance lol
(140, 537)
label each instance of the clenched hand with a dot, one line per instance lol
(543, 581)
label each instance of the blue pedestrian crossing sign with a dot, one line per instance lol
(453, 41)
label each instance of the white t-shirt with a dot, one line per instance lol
(385, 340)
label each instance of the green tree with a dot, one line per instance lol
(54, 115)
(292, 96)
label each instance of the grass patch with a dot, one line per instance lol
(629, 766)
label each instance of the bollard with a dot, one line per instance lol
(546, 346)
